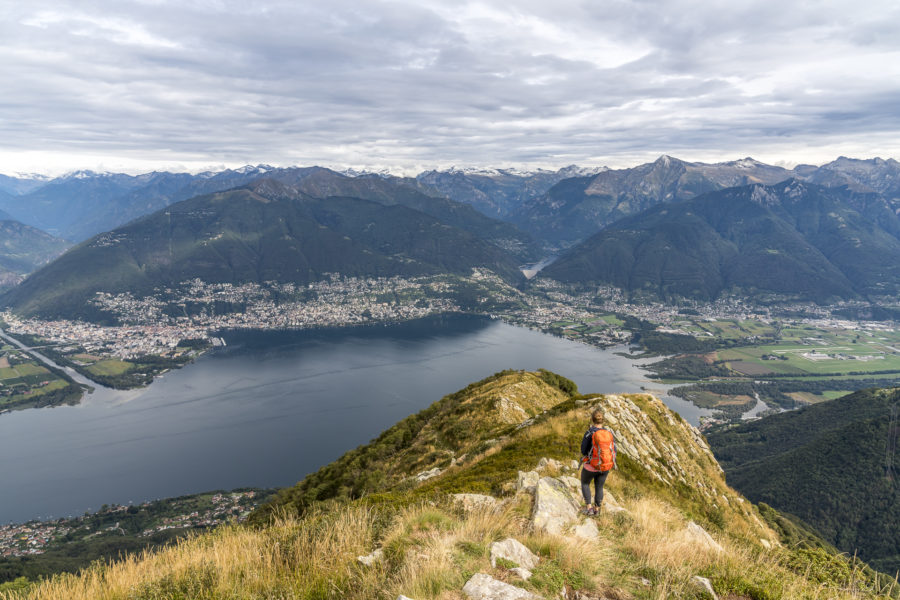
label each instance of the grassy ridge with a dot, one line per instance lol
(432, 545)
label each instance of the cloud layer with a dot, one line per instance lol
(409, 84)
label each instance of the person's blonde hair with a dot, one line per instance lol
(597, 417)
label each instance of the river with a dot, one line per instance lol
(268, 408)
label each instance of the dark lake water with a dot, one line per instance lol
(269, 408)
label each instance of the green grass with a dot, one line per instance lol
(110, 367)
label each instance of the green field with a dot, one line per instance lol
(110, 367)
(22, 370)
(730, 329)
(842, 359)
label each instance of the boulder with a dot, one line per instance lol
(482, 586)
(587, 530)
(554, 506)
(574, 465)
(705, 586)
(523, 573)
(551, 463)
(699, 535)
(574, 484)
(610, 504)
(424, 475)
(474, 502)
(527, 481)
(370, 559)
(512, 550)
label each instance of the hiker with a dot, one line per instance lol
(598, 458)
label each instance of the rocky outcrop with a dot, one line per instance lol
(484, 587)
(587, 531)
(375, 556)
(476, 502)
(701, 537)
(526, 481)
(704, 586)
(514, 551)
(670, 458)
(554, 507)
(426, 475)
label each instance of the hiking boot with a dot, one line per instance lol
(588, 510)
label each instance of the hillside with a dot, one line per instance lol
(794, 239)
(267, 231)
(829, 464)
(670, 525)
(83, 204)
(322, 183)
(23, 249)
(577, 208)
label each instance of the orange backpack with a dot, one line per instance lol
(603, 450)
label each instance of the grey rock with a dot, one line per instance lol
(527, 481)
(587, 531)
(523, 573)
(551, 463)
(573, 483)
(512, 550)
(554, 507)
(701, 537)
(610, 504)
(371, 559)
(425, 475)
(474, 502)
(705, 586)
(574, 465)
(482, 586)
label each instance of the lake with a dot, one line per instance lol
(269, 408)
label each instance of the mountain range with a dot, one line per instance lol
(657, 228)
(574, 209)
(559, 208)
(265, 231)
(792, 238)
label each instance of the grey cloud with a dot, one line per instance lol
(403, 83)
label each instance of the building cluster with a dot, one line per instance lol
(226, 508)
(194, 309)
(34, 537)
(29, 538)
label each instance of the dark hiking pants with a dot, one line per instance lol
(599, 478)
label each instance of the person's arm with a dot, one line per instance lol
(586, 444)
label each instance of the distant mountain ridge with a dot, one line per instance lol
(791, 238)
(576, 208)
(265, 231)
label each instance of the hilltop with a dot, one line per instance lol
(475, 488)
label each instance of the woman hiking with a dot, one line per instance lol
(598, 458)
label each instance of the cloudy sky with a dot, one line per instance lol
(141, 84)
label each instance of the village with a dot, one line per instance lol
(207, 510)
